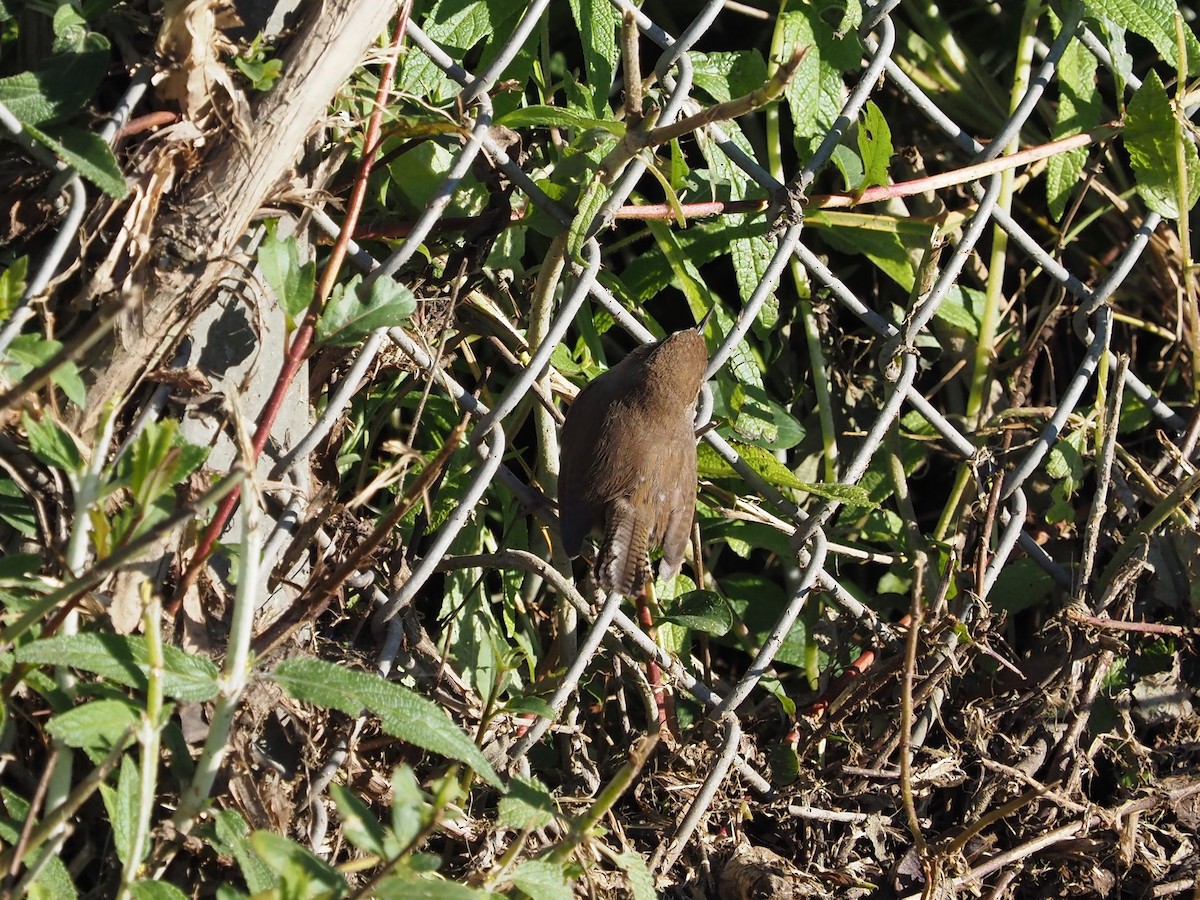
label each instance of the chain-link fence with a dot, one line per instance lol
(955, 572)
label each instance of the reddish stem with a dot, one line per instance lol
(302, 340)
(653, 671)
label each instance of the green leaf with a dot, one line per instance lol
(803, 90)
(711, 464)
(155, 890)
(526, 805)
(85, 152)
(122, 804)
(784, 764)
(12, 285)
(704, 611)
(53, 445)
(123, 659)
(962, 308)
(1020, 585)
(358, 824)
(593, 197)
(401, 712)
(158, 460)
(874, 146)
(597, 22)
(412, 886)
(409, 807)
(292, 282)
(725, 75)
(15, 510)
(752, 415)
(535, 116)
(54, 882)
(96, 726)
(637, 874)
(60, 86)
(535, 706)
(1153, 20)
(814, 93)
(301, 874)
(686, 276)
(1078, 110)
(231, 836)
(19, 568)
(758, 602)
(347, 319)
(543, 879)
(28, 351)
(456, 25)
(1151, 135)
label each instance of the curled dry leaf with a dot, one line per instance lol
(192, 38)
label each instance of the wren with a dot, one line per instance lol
(627, 466)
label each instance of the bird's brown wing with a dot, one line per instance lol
(676, 512)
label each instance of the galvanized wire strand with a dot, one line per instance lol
(442, 196)
(1066, 405)
(482, 82)
(1017, 508)
(690, 35)
(873, 13)
(895, 355)
(491, 448)
(669, 851)
(570, 679)
(571, 304)
(873, 440)
(817, 549)
(1037, 87)
(631, 634)
(66, 236)
(766, 287)
(980, 220)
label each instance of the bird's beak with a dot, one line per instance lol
(704, 321)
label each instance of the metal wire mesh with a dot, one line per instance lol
(895, 356)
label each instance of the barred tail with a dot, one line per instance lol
(624, 556)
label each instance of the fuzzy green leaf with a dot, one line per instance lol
(538, 116)
(12, 285)
(543, 879)
(155, 890)
(301, 874)
(1078, 109)
(85, 152)
(637, 874)
(361, 828)
(231, 836)
(28, 351)
(60, 86)
(97, 726)
(597, 23)
(1151, 135)
(526, 805)
(1153, 20)
(401, 712)
(124, 660)
(710, 464)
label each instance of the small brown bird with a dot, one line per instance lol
(627, 462)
